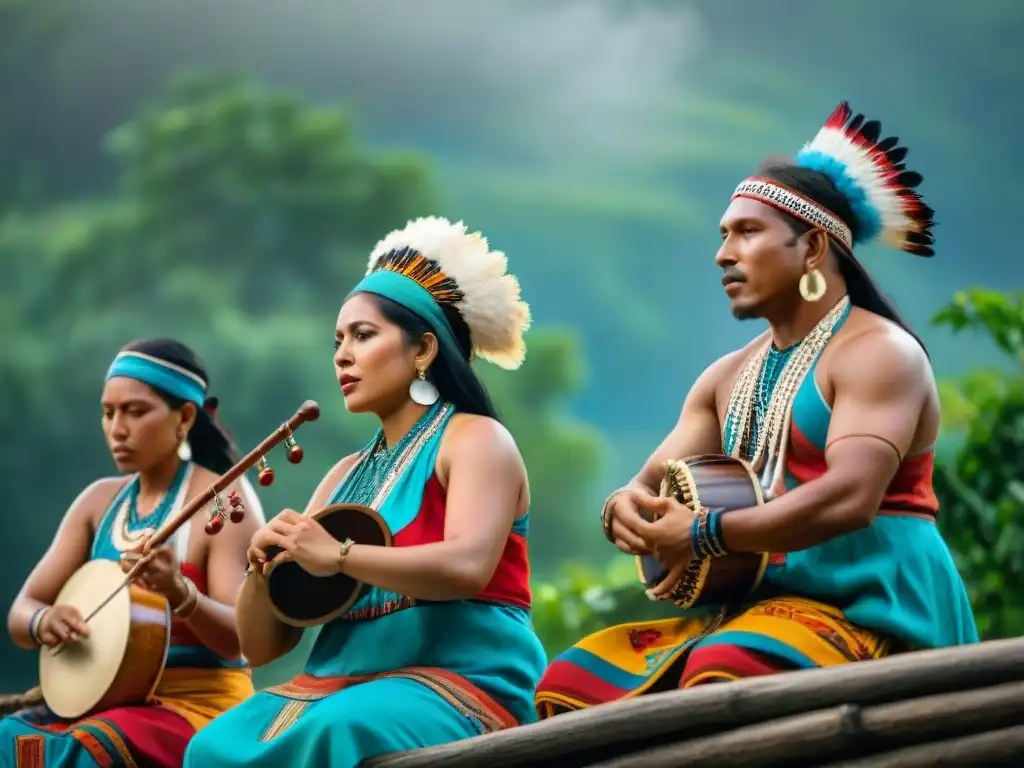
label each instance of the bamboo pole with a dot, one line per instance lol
(585, 737)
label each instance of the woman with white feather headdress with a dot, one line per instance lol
(441, 647)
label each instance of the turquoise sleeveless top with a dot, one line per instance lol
(896, 577)
(488, 640)
(122, 519)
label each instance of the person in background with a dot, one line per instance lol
(161, 430)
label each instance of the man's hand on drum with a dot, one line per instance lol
(624, 513)
(61, 624)
(302, 539)
(160, 573)
(668, 537)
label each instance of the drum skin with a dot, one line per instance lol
(301, 600)
(121, 662)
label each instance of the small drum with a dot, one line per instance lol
(121, 661)
(708, 482)
(303, 600)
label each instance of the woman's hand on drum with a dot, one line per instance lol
(61, 624)
(160, 572)
(303, 540)
(624, 513)
(667, 538)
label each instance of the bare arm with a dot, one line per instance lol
(213, 619)
(262, 636)
(68, 552)
(882, 382)
(486, 486)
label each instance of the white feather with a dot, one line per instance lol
(491, 304)
(834, 143)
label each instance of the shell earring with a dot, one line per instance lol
(812, 285)
(422, 391)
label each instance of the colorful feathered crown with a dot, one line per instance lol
(458, 269)
(870, 173)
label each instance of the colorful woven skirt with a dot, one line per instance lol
(768, 637)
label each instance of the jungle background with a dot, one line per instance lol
(219, 171)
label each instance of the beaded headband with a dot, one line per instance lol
(790, 201)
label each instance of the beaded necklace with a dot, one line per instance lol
(774, 364)
(759, 437)
(129, 527)
(379, 466)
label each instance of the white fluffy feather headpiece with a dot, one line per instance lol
(459, 269)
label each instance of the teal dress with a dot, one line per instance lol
(394, 673)
(896, 577)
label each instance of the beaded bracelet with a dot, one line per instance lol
(187, 606)
(706, 534)
(606, 519)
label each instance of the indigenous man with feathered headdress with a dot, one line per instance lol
(835, 405)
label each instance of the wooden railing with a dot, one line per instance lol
(956, 706)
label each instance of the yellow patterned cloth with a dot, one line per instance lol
(769, 636)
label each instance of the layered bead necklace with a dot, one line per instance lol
(762, 397)
(379, 467)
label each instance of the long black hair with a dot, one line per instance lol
(451, 372)
(211, 446)
(862, 289)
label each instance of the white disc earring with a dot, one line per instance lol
(422, 391)
(184, 451)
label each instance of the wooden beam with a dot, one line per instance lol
(1003, 747)
(605, 732)
(843, 731)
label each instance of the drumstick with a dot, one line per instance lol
(308, 411)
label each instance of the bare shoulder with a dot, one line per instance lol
(94, 500)
(482, 448)
(870, 348)
(481, 441)
(469, 432)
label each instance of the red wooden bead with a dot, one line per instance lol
(266, 476)
(237, 514)
(214, 525)
(295, 453)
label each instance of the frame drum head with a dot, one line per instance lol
(74, 681)
(302, 600)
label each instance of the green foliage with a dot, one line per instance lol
(244, 216)
(223, 171)
(562, 454)
(981, 489)
(581, 600)
(30, 31)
